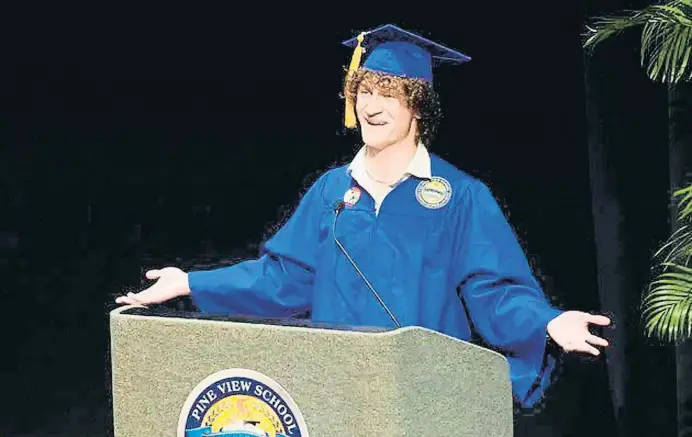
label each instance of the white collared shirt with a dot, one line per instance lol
(418, 167)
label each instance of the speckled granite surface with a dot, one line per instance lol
(405, 382)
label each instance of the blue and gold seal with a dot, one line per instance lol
(434, 193)
(240, 403)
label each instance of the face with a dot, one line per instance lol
(384, 118)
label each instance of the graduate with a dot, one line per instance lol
(398, 236)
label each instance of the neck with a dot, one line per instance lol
(389, 164)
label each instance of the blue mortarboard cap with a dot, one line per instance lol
(392, 50)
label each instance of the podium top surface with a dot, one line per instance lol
(166, 313)
(175, 316)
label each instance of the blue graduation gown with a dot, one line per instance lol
(420, 260)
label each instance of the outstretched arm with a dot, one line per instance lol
(279, 282)
(507, 307)
(276, 284)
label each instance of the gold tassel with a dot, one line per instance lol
(350, 113)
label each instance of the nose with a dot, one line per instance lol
(370, 105)
(372, 112)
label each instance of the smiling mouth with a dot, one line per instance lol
(376, 123)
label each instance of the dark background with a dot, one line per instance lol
(139, 138)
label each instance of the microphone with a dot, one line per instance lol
(337, 209)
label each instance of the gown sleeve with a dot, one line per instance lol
(276, 284)
(507, 306)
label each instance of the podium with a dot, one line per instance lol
(193, 375)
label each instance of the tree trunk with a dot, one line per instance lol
(629, 169)
(607, 219)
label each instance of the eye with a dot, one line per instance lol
(364, 91)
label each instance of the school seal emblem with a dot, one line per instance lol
(434, 193)
(240, 403)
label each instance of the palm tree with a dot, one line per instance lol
(666, 38)
(666, 48)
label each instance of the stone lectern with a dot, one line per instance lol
(194, 375)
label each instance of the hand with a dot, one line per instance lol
(172, 282)
(570, 330)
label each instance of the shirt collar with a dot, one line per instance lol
(419, 166)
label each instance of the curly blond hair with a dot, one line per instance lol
(417, 94)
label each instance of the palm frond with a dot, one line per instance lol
(667, 308)
(678, 248)
(666, 42)
(685, 204)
